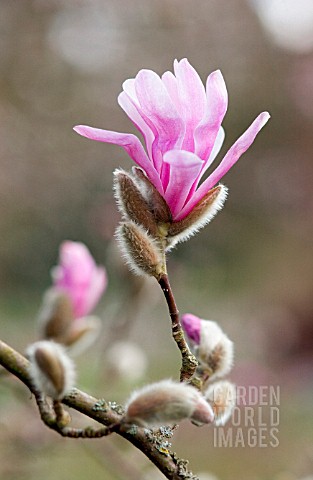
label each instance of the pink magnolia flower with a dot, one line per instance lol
(180, 121)
(79, 277)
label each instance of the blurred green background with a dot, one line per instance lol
(62, 63)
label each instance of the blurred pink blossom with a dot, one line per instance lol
(180, 121)
(78, 276)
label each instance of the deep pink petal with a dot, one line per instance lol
(184, 169)
(217, 100)
(192, 326)
(192, 99)
(231, 157)
(130, 143)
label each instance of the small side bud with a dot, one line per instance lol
(51, 370)
(222, 398)
(55, 315)
(131, 202)
(199, 216)
(215, 350)
(192, 326)
(167, 402)
(141, 251)
(157, 204)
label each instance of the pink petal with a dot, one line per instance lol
(97, 286)
(162, 117)
(131, 109)
(192, 99)
(76, 263)
(130, 143)
(128, 98)
(231, 157)
(170, 82)
(216, 148)
(130, 89)
(207, 131)
(78, 275)
(157, 105)
(184, 168)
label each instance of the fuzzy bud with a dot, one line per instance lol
(199, 216)
(222, 397)
(140, 250)
(131, 202)
(167, 402)
(51, 370)
(56, 315)
(157, 204)
(214, 349)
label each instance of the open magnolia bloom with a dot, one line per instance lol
(181, 122)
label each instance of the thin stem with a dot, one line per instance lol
(57, 419)
(189, 361)
(59, 412)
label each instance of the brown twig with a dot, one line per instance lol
(189, 361)
(103, 412)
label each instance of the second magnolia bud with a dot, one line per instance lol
(167, 402)
(140, 250)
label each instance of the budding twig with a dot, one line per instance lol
(170, 465)
(189, 361)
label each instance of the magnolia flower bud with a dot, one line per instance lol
(200, 215)
(140, 250)
(167, 402)
(55, 315)
(157, 204)
(131, 202)
(51, 370)
(222, 396)
(214, 349)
